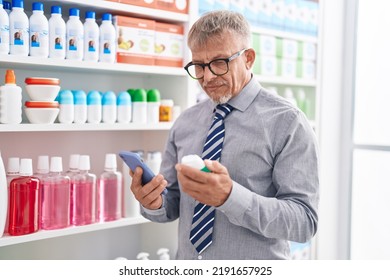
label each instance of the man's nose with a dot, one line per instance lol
(208, 75)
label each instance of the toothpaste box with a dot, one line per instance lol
(307, 51)
(288, 68)
(306, 69)
(135, 40)
(266, 65)
(142, 3)
(169, 41)
(290, 48)
(176, 6)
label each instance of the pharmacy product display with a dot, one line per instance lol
(19, 29)
(39, 31)
(57, 33)
(107, 40)
(74, 36)
(91, 37)
(10, 100)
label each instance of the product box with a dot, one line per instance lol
(306, 69)
(307, 51)
(251, 11)
(169, 40)
(290, 16)
(278, 9)
(142, 3)
(266, 65)
(290, 48)
(288, 68)
(135, 40)
(237, 5)
(268, 45)
(313, 17)
(303, 16)
(176, 6)
(265, 13)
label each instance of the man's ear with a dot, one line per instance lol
(250, 56)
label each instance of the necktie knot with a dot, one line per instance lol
(222, 111)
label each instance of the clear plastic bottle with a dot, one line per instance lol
(55, 194)
(57, 33)
(24, 201)
(91, 37)
(109, 107)
(94, 107)
(74, 36)
(4, 30)
(19, 29)
(39, 31)
(80, 106)
(83, 195)
(12, 173)
(43, 167)
(10, 100)
(74, 160)
(109, 192)
(3, 197)
(107, 39)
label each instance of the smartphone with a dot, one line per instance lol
(133, 160)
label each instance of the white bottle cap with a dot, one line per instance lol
(43, 164)
(56, 164)
(74, 161)
(84, 163)
(163, 253)
(110, 162)
(13, 165)
(143, 256)
(26, 167)
(194, 161)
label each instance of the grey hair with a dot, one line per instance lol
(213, 24)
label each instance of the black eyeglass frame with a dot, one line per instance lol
(203, 65)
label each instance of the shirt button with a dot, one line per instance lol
(199, 257)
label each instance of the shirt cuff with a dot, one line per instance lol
(156, 212)
(237, 203)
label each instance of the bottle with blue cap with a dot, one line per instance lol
(109, 107)
(19, 29)
(57, 33)
(123, 107)
(94, 107)
(7, 6)
(65, 99)
(74, 36)
(107, 39)
(39, 32)
(80, 106)
(91, 37)
(4, 30)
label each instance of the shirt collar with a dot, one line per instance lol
(242, 101)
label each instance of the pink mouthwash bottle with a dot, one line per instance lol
(24, 201)
(83, 194)
(109, 192)
(55, 197)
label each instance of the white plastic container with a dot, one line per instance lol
(57, 33)
(153, 105)
(140, 106)
(3, 197)
(74, 36)
(7, 6)
(39, 32)
(123, 103)
(4, 30)
(80, 106)
(91, 37)
(19, 29)
(10, 100)
(153, 160)
(107, 39)
(66, 101)
(109, 107)
(94, 107)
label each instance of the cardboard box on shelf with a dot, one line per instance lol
(169, 39)
(135, 40)
(176, 6)
(142, 3)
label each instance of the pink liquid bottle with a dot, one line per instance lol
(24, 201)
(55, 197)
(73, 170)
(83, 195)
(12, 173)
(42, 169)
(109, 191)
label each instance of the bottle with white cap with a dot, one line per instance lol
(43, 168)
(74, 36)
(11, 173)
(55, 194)
(143, 256)
(91, 37)
(57, 33)
(163, 253)
(109, 191)
(39, 31)
(107, 39)
(83, 194)
(19, 29)
(73, 170)
(195, 161)
(24, 201)
(4, 30)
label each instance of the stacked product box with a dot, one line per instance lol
(169, 39)
(176, 6)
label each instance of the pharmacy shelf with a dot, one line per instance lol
(36, 63)
(285, 35)
(7, 240)
(28, 127)
(101, 6)
(275, 80)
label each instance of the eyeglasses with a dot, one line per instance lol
(218, 67)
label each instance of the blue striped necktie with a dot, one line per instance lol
(203, 219)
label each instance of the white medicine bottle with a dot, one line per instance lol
(91, 37)
(109, 107)
(94, 107)
(74, 36)
(7, 6)
(10, 100)
(80, 106)
(57, 33)
(66, 101)
(39, 32)
(107, 39)
(123, 103)
(19, 29)
(4, 30)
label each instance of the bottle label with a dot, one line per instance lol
(19, 33)
(37, 35)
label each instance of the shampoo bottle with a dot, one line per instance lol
(7, 6)
(107, 39)
(3, 197)
(10, 100)
(24, 201)
(109, 192)
(57, 33)
(19, 29)
(39, 32)
(74, 36)
(91, 37)
(4, 30)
